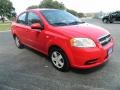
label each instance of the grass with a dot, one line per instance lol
(4, 26)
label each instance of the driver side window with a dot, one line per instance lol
(33, 18)
(22, 19)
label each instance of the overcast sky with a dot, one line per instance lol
(78, 5)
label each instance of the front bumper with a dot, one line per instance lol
(85, 58)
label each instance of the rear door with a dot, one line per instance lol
(20, 27)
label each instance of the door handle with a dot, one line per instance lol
(27, 30)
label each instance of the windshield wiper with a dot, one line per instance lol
(59, 24)
(75, 23)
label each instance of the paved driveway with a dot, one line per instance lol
(27, 69)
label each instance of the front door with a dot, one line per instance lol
(118, 15)
(36, 36)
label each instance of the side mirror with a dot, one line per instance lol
(36, 26)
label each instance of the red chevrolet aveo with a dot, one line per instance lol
(67, 40)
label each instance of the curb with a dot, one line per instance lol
(4, 31)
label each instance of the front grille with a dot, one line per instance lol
(104, 40)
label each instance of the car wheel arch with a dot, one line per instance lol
(54, 46)
(14, 35)
(64, 51)
(62, 44)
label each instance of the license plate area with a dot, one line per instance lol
(110, 50)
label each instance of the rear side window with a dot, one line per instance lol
(22, 19)
(33, 18)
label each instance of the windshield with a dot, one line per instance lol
(60, 18)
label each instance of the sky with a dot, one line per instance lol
(85, 6)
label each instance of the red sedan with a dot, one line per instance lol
(67, 40)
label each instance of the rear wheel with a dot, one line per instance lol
(59, 59)
(112, 20)
(18, 43)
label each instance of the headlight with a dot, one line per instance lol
(82, 42)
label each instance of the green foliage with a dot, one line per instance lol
(7, 9)
(33, 7)
(4, 27)
(56, 5)
(72, 12)
(51, 4)
(75, 13)
(80, 14)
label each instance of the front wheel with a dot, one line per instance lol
(18, 43)
(59, 59)
(105, 21)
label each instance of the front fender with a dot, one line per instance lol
(63, 44)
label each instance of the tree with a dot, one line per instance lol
(6, 9)
(80, 15)
(33, 7)
(72, 12)
(51, 4)
(75, 13)
(56, 5)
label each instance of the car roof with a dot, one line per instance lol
(41, 9)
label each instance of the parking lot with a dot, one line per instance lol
(27, 69)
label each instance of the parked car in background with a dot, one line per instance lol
(112, 17)
(63, 37)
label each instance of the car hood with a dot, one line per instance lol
(83, 30)
(106, 16)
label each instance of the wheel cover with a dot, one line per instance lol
(57, 59)
(17, 41)
(105, 20)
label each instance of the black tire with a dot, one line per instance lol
(18, 43)
(112, 20)
(64, 59)
(105, 21)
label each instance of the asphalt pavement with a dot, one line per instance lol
(26, 69)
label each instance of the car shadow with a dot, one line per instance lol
(116, 23)
(74, 70)
(88, 71)
(37, 53)
(113, 23)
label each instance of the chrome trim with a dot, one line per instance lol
(103, 36)
(105, 39)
